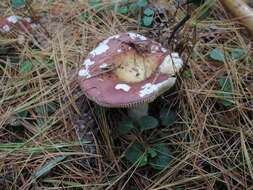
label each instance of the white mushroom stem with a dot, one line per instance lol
(137, 112)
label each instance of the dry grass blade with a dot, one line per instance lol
(246, 155)
(176, 183)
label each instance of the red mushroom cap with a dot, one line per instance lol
(127, 69)
(21, 23)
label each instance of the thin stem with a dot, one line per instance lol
(139, 111)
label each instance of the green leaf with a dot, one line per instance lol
(147, 21)
(152, 152)
(226, 98)
(23, 114)
(26, 67)
(124, 1)
(149, 12)
(226, 94)
(167, 117)
(237, 53)
(136, 155)
(46, 109)
(217, 55)
(163, 157)
(95, 4)
(123, 10)
(41, 110)
(84, 16)
(42, 61)
(204, 11)
(205, 14)
(133, 8)
(17, 4)
(225, 84)
(125, 127)
(48, 167)
(148, 122)
(142, 3)
(187, 74)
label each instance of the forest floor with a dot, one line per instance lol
(53, 137)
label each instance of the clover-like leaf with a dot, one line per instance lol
(123, 10)
(142, 3)
(23, 114)
(84, 16)
(152, 152)
(167, 117)
(217, 55)
(225, 95)
(26, 67)
(238, 53)
(125, 127)
(225, 84)
(134, 8)
(148, 12)
(17, 4)
(95, 4)
(225, 98)
(148, 122)
(136, 155)
(163, 157)
(147, 21)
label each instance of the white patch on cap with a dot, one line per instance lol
(150, 88)
(103, 66)
(147, 89)
(84, 73)
(103, 47)
(134, 36)
(113, 37)
(119, 50)
(164, 50)
(124, 87)
(13, 19)
(171, 64)
(5, 28)
(88, 62)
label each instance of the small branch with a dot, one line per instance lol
(241, 11)
(178, 26)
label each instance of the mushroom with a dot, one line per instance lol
(128, 70)
(21, 25)
(11, 22)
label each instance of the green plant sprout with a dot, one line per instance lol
(158, 155)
